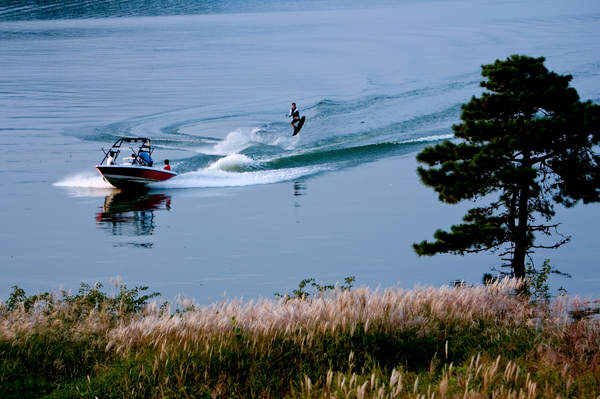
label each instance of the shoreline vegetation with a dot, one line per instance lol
(449, 342)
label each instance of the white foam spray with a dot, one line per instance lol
(234, 142)
(85, 184)
(232, 162)
(245, 137)
(84, 179)
(428, 139)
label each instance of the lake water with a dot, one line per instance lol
(253, 210)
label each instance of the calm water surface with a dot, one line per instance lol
(253, 210)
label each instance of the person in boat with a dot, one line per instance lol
(110, 160)
(167, 166)
(144, 159)
(294, 113)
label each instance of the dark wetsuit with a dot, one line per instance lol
(295, 113)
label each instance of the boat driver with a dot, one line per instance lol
(144, 159)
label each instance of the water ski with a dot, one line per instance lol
(300, 123)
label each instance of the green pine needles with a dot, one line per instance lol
(529, 141)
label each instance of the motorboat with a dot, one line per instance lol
(132, 171)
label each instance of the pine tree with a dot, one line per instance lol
(531, 142)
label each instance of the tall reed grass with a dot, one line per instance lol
(466, 342)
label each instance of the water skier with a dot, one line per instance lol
(295, 113)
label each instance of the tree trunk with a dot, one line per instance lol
(520, 240)
(518, 261)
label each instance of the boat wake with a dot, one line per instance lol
(268, 154)
(215, 177)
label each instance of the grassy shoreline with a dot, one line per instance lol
(360, 343)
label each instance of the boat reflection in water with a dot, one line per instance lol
(131, 213)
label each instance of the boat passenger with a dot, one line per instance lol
(110, 160)
(144, 159)
(167, 166)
